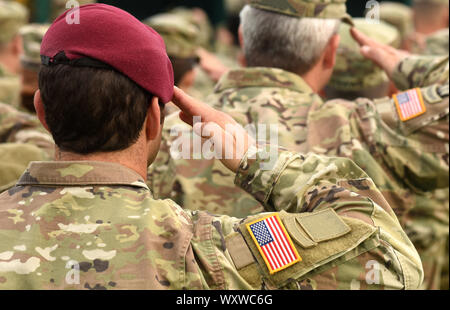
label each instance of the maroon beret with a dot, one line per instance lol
(112, 36)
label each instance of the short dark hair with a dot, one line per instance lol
(91, 110)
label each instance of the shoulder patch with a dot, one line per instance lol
(273, 243)
(410, 104)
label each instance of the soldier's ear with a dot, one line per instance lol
(331, 51)
(153, 123)
(40, 111)
(241, 57)
(241, 36)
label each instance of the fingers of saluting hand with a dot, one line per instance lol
(191, 107)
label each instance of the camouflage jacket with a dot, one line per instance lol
(354, 129)
(22, 140)
(434, 44)
(95, 225)
(407, 160)
(350, 129)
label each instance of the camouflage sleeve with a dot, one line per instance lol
(311, 186)
(421, 71)
(430, 129)
(356, 130)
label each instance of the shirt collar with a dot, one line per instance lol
(75, 173)
(262, 77)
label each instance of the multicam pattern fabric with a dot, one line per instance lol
(419, 71)
(22, 140)
(14, 159)
(351, 129)
(435, 44)
(13, 15)
(94, 225)
(427, 221)
(18, 127)
(32, 35)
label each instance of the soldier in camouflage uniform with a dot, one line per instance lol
(182, 42)
(436, 43)
(94, 224)
(22, 140)
(428, 17)
(420, 33)
(428, 218)
(356, 130)
(431, 20)
(32, 35)
(19, 127)
(14, 159)
(12, 16)
(401, 17)
(22, 137)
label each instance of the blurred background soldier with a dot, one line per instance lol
(181, 38)
(22, 137)
(354, 75)
(32, 35)
(98, 210)
(14, 159)
(423, 27)
(202, 40)
(12, 16)
(22, 140)
(400, 16)
(281, 83)
(430, 15)
(431, 21)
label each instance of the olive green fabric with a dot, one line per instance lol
(318, 256)
(32, 35)
(14, 159)
(13, 15)
(10, 86)
(180, 36)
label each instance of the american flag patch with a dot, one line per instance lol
(273, 243)
(410, 104)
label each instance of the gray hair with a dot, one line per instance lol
(280, 41)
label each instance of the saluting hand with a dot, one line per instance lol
(383, 55)
(229, 138)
